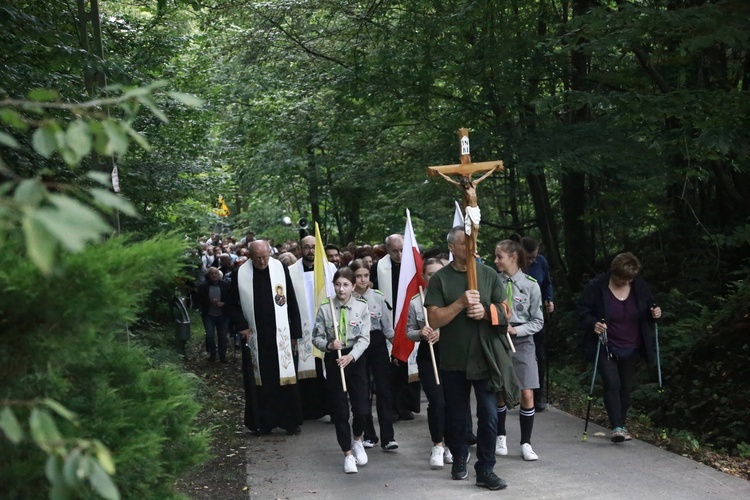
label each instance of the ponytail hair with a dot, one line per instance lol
(514, 247)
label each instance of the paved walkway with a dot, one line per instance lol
(311, 466)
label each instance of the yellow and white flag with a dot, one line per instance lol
(222, 210)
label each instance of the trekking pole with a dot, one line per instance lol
(658, 369)
(591, 390)
(546, 355)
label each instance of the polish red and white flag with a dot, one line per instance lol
(409, 280)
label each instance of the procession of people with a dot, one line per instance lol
(304, 360)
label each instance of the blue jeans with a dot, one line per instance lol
(457, 389)
(219, 326)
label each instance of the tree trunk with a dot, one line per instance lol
(579, 246)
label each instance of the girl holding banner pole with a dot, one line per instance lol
(345, 327)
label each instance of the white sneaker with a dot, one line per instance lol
(350, 464)
(501, 448)
(528, 453)
(447, 456)
(358, 450)
(368, 443)
(436, 458)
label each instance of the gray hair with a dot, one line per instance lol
(392, 237)
(453, 233)
(255, 244)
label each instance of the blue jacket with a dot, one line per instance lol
(539, 270)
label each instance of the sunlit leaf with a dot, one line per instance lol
(78, 138)
(43, 141)
(138, 138)
(118, 141)
(105, 458)
(40, 245)
(102, 178)
(44, 430)
(70, 467)
(30, 192)
(59, 409)
(155, 109)
(10, 426)
(187, 99)
(53, 469)
(112, 200)
(102, 483)
(73, 224)
(13, 118)
(43, 95)
(8, 140)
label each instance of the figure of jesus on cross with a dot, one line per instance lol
(472, 215)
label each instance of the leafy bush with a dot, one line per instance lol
(709, 384)
(64, 338)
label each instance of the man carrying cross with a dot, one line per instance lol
(463, 300)
(464, 316)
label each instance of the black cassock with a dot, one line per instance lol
(269, 405)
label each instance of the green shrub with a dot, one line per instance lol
(64, 337)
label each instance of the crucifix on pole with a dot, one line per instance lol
(464, 170)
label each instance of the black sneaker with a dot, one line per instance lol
(458, 469)
(488, 479)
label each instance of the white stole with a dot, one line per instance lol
(305, 359)
(385, 285)
(283, 335)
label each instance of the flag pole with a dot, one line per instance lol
(336, 332)
(432, 349)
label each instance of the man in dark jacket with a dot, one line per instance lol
(211, 297)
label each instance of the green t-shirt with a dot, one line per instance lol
(459, 339)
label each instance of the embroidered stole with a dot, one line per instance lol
(283, 336)
(305, 349)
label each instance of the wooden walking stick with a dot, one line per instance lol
(336, 332)
(432, 349)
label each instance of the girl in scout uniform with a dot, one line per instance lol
(526, 319)
(353, 319)
(376, 357)
(417, 331)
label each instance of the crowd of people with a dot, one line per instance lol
(300, 363)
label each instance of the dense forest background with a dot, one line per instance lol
(623, 125)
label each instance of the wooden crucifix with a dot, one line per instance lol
(464, 170)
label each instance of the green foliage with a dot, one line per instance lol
(64, 338)
(72, 464)
(706, 371)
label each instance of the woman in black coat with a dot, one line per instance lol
(619, 303)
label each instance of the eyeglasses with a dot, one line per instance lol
(308, 247)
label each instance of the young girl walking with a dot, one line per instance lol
(344, 350)
(527, 318)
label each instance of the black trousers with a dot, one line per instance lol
(617, 378)
(377, 366)
(433, 391)
(541, 362)
(356, 384)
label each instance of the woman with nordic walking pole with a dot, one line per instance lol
(619, 304)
